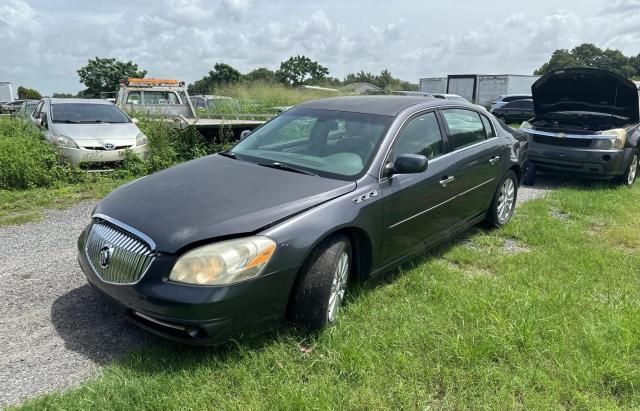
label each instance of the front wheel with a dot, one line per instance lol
(323, 284)
(504, 201)
(631, 173)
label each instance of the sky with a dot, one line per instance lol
(43, 43)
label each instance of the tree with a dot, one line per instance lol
(261, 74)
(559, 59)
(221, 74)
(102, 75)
(301, 70)
(589, 55)
(28, 94)
(62, 95)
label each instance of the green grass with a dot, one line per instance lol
(23, 206)
(549, 321)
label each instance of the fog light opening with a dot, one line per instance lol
(606, 157)
(196, 332)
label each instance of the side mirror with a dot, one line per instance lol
(244, 134)
(43, 121)
(410, 164)
(135, 120)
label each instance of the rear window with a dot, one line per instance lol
(159, 97)
(87, 113)
(465, 127)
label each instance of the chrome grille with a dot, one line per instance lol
(129, 256)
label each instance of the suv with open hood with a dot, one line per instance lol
(585, 124)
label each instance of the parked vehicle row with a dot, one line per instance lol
(276, 228)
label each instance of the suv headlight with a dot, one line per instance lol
(223, 263)
(141, 139)
(617, 139)
(63, 142)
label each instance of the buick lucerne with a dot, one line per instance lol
(276, 228)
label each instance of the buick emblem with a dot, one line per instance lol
(109, 146)
(105, 256)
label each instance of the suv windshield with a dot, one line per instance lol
(87, 113)
(329, 143)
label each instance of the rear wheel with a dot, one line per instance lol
(504, 201)
(323, 284)
(631, 173)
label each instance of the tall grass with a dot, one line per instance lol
(27, 161)
(273, 95)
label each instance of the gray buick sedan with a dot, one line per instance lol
(329, 192)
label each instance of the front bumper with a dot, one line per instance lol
(195, 314)
(82, 155)
(584, 162)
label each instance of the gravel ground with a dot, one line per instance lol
(54, 332)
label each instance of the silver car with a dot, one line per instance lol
(88, 130)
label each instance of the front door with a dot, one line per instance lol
(415, 205)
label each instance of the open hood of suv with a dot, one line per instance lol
(586, 90)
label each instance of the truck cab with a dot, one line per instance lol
(161, 97)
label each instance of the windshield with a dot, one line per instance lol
(329, 143)
(87, 113)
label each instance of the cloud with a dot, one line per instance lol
(42, 46)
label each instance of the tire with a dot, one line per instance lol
(529, 174)
(322, 284)
(631, 173)
(497, 216)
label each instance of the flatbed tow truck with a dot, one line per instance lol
(168, 99)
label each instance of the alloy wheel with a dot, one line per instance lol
(506, 200)
(339, 286)
(633, 170)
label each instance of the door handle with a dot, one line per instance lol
(494, 160)
(446, 180)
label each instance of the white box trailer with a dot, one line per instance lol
(482, 89)
(433, 85)
(6, 91)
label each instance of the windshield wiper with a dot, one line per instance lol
(65, 121)
(285, 167)
(228, 154)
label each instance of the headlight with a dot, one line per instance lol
(617, 140)
(63, 141)
(141, 139)
(525, 124)
(225, 262)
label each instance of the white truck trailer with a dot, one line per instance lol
(6, 92)
(480, 89)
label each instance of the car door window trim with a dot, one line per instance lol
(442, 203)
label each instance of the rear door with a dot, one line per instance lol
(478, 154)
(415, 205)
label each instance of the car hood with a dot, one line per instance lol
(105, 131)
(586, 90)
(215, 196)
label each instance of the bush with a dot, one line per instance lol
(27, 161)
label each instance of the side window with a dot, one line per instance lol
(488, 127)
(420, 136)
(38, 110)
(133, 97)
(465, 127)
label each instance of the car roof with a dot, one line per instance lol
(79, 100)
(379, 105)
